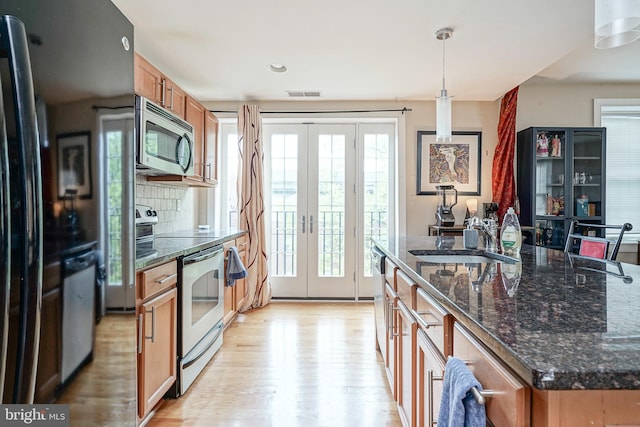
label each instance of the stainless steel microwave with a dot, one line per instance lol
(165, 141)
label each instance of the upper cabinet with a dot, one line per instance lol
(561, 177)
(152, 84)
(210, 147)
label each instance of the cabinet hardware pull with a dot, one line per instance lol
(162, 95)
(480, 396)
(153, 325)
(303, 223)
(311, 224)
(171, 99)
(208, 175)
(140, 334)
(426, 324)
(430, 381)
(166, 278)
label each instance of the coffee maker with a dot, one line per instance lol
(447, 198)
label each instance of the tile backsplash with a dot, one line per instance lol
(173, 204)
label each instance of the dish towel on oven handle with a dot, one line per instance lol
(235, 268)
(458, 407)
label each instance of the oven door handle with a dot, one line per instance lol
(204, 350)
(202, 256)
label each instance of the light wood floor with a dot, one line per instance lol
(104, 392)
(291, 364)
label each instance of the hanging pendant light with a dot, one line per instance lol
(443, 102)
(617, 22)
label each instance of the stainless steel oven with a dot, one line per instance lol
(201, 293)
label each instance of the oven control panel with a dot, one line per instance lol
(146, 215)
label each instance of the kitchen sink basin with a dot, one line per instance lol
(461, 256)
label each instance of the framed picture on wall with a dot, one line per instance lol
(74, 165)
(454, 163)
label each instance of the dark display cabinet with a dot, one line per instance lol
(561, 177)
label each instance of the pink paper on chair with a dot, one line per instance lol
(593, 249)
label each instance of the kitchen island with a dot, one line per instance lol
(569, 328)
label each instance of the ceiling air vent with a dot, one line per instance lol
(303, 93)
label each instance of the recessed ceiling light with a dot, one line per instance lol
(278, 68)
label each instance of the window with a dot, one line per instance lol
(622, 120)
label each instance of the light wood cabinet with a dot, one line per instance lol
(195, 117)
(152, 84)
(175, 98)
(406, 370)
(148, 80)
(234, 295)
(430, 374)
(157, 322)
(510, 401)
(210, 147)
(240, 291)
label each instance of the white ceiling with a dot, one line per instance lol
(372, 49)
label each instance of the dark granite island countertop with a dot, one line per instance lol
(569, 324)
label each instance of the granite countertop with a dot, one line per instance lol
(570, 323)
(168, 246)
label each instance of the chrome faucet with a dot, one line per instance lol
(490, 229)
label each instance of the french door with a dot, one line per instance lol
(311, 190)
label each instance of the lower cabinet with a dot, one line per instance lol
(49, 374)
(510, 402)
(406, 371)
(157, 318)
(390, 365)
(234, 296)
(430, 375)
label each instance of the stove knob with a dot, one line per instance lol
(155, 213)
(149, 212)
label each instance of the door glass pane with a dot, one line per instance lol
(284, 202)
(114, 207)
(376, 193)
(331, 205)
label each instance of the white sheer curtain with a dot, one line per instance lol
(251, 204)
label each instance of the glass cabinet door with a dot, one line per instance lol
(550, 203)
(587, 176)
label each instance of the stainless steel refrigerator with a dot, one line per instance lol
(66, 183)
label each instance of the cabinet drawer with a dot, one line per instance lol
(406, 289)
(434, 321)
(157, 279)
(510, 402)
(390, 273)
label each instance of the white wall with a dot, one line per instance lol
(419, 211)
(539, 104)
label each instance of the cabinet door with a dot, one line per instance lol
(229, 294)
(391, 307)
(195, 116)
(241, 284)
(430, 371)
(157, 324)
(211, 147)
(49, 361)
(407, 330)
(588, 175)
(175, 98)
(148, 80)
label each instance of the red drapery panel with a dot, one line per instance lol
(502, 174)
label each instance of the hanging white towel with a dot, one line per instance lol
(235, 268)
(458, 407)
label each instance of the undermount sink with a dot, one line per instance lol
(470, 256)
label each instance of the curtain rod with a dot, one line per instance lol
(401, 110)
